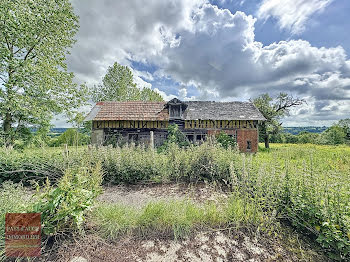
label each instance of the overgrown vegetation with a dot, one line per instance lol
(12, 200)
(304, 185)
(71, 137)
(176, 218)
(336, 134)
(63, 207)
(225, 140)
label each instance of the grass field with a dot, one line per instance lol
(305, 186)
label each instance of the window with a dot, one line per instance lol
(199, 137)
(175, 111)
(249, 145)
(190, 138)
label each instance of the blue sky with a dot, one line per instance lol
(223, 50)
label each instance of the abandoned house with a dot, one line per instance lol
(147, 122)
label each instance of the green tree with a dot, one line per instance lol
(305, 137)
(71, 137)
(334, 135)
(345, 125)
(34, 81)
(118, 85)
(274, 109)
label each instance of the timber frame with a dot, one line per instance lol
(142, 122)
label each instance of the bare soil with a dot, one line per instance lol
(240, 245)
(223, 245)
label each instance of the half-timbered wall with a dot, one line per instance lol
(220, 124)
(244, 131)
(130, 124)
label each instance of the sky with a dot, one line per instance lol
(223, 50)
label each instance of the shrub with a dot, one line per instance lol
(34, 164)
(63, 207)
(335, 135)
(175, 136)
(225, 140)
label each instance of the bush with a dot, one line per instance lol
(34, 164)
(175, 136)
(225, 140)
(335, 135)
(306, 184)
(63, 208)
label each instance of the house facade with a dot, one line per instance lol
(147, 122)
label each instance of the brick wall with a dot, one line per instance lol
(245, 135)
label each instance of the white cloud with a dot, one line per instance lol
(200, 45)
(164, 95)
(291, 15)
(220, 56)
(125, 30)
(224, 58)
(182, 93)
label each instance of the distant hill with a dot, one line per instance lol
(58, 130)
(311, 129)
(292, 130)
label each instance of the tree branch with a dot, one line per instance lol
(292, 102)
(29, 51)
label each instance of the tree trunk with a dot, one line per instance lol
(7, 128)
(267, 141)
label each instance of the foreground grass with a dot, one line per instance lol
(12, 200)
(176, 218)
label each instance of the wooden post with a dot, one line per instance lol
(65, 150)
(151, 139)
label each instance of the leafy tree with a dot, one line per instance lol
(274, 109)
(71, 137)
(345, 125)
(334, 135)
(118, 85)
(34, 81)
(307, 137)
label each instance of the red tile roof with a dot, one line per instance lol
(131, 110)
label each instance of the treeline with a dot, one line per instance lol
(338, 133)
(298, 129)
(40, 138)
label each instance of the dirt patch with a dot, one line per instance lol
(139, 195)
(202, 246)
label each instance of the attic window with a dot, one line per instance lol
(175, 111)
(176, 108)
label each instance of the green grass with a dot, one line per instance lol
(12, 200)
(309, 186)
(176, 218)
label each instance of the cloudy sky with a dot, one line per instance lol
(223, 50)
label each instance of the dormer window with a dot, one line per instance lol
(175, 111)
(176, 108)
